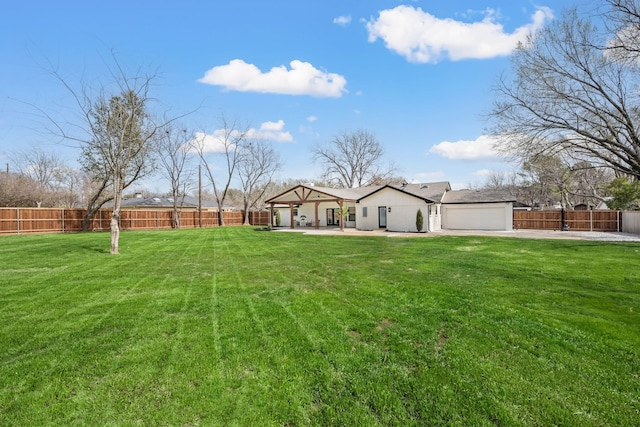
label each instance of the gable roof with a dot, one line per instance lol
(430, 192)
(307, 193)
(477, 196)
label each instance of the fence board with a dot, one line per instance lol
(591, 220)
(49, 220)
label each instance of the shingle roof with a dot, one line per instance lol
(430, 191)
(477, 196)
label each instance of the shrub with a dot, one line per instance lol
(419, 221)
(278, 219)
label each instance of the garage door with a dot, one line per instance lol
(476, 217)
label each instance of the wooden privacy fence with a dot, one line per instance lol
(49, 220)
(590, 220)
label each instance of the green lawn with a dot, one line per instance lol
(236, 327)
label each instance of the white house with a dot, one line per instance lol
(393, 207)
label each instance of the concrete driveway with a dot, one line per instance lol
(524, 234)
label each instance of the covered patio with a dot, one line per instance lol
(309, 201)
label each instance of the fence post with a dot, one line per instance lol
(618, 215)
(18, 220)
(590, 220)
(62, 220)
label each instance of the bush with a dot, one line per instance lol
(419, 221)
(278, 219)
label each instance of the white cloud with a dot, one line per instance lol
(480, 149)
(210, 143)
(343, 21)
(422, 37)
(312, 119)
(301, 79)
(214, 142)
(272, 131)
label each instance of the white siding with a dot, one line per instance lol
(479, 216)
(401, 212)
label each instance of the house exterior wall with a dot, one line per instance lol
(402, 215)
(478, 216)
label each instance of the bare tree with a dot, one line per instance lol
(115, 133)
(258, 162)
(173, 151)
(352, 159)
(38, 165)
(225, 144)
(623, 21)
(570, 96)
(18, 190)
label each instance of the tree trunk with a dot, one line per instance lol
(246, 212)
(115, 232)
(88, 217)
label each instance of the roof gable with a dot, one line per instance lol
(431, 192)
(306, 193)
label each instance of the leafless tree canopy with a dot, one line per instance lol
(258, 162)
(543, 181)
(53, 184)
(229, 141)
(571, 96)
(623, 21)
(352, 159)
(173, 152)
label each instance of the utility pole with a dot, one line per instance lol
(200, 195)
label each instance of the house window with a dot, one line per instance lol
(295, 212)
(364, 212)
(352, 214)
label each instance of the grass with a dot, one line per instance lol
(235, 327)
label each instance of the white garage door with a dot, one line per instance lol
(476, 217)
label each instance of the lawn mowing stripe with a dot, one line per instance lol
(262, 373)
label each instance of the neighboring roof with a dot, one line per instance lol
(431, 192)
(477, 196)
(164, 202)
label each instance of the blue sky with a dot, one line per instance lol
(417, 74)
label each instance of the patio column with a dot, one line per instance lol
(293, 223)
(271, 215)
(316, 219)
(341, 215)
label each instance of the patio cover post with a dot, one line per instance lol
(291, 215)
(315, 219)
(271, 214)
(341, 215)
